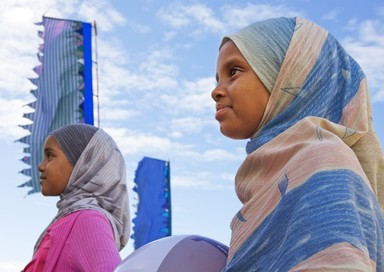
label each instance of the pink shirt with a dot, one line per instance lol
(80, 241)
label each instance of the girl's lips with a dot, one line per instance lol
(220, 111)
(220, 106)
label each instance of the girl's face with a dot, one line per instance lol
(240, 96)
(55, 169)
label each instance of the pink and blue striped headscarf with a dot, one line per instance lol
(312, 183)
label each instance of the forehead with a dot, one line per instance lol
(229, 52)
(50, 142)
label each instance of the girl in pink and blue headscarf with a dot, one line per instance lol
(312, 184)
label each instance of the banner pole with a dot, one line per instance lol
(97, 77)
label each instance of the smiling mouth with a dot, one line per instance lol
(220, 111)
(220, 107)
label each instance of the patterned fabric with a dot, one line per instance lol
(313, 178)
(98, 182)
(64, 88)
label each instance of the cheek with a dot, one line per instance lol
(62, 184)
(67, 175)
(258, 106)
(248, 110)
(250, 118)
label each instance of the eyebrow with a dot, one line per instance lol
(233, 60)
(48, 149)
(230, 61)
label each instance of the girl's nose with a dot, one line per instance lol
(217, 93)
(40, 167)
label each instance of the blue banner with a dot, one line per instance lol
(153, 216)
(64, 88)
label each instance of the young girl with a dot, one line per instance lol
(83, 166)
(312, 183)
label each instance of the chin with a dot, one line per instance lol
(233, 135)
(43, 193)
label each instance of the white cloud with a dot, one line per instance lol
(137, 143)
(218, 154)
(131, 142)
(113, 114)
(199, 18)
(331, 15)
(112, 50)
(102, 12)
(117, 79)
(11, 266)
(368, 50)
(204, 16)
(200, 180)
(156, 76)
(11, 115)
(120, 76)
(238, 17)
(18, 38)
(157, 67)
(380, 11)
(174, 17)
(186, 125)
(19, 42)
(140, 28)
(194, 97)
(169, 35)
(181, 16)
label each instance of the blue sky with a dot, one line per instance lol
(156, 72)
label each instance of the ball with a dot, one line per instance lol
(177, 253)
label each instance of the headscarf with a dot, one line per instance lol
(334, 92)
(267, 39)
(314, 170)
(73, 139)
(98, 182)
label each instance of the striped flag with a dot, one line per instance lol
(153, 215)
(64, 87)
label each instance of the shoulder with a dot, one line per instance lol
(82, 221)
(90, 244)
(90, 218)
(84, 214)
(90, 227)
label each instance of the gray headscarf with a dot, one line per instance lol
(73, 139)
(97, 182)
(264, 44)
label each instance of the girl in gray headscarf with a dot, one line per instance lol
(83, 165)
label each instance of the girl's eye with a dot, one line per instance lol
(234, 70)
(49, 155)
